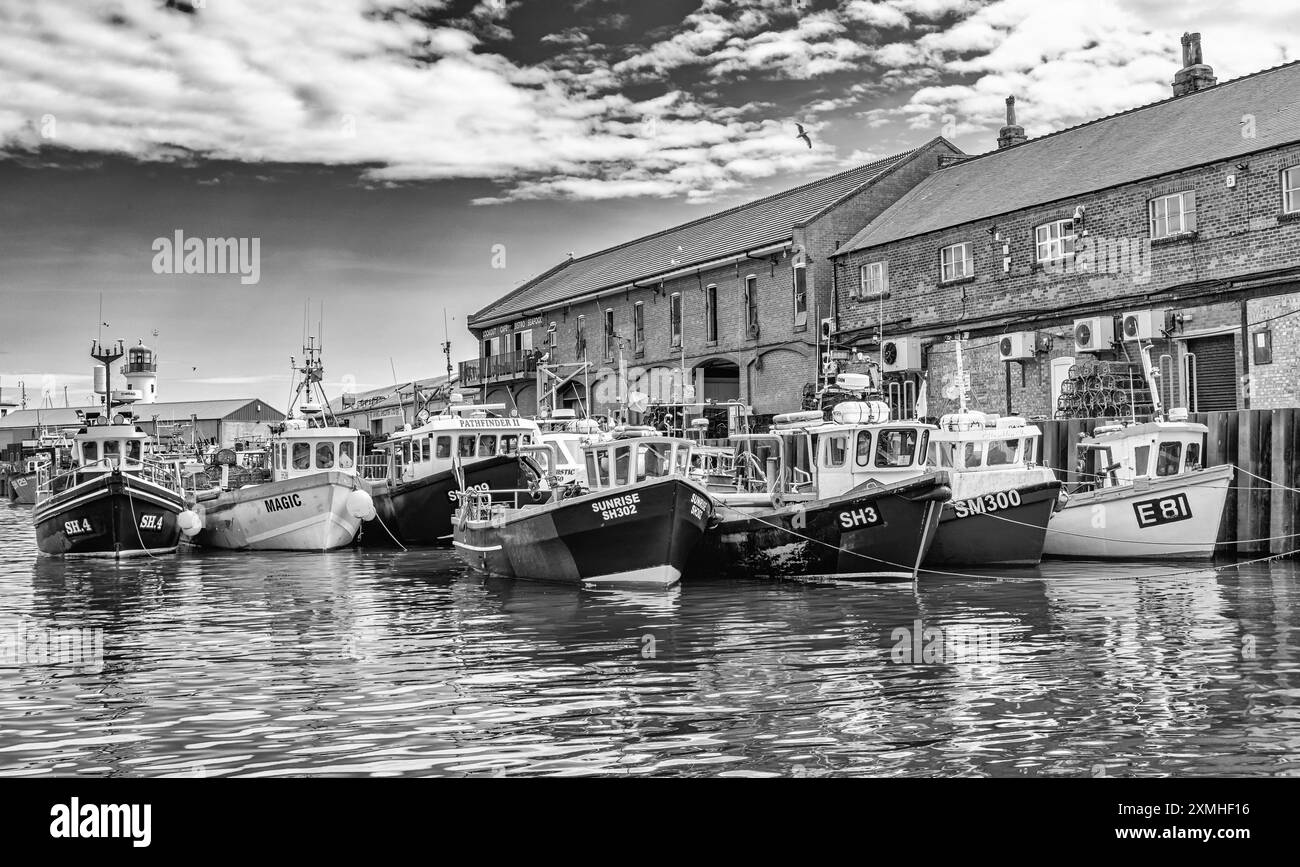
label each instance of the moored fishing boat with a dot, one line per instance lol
(417, 476)
(815, 498)
(315, 499)
(638, 524)
(1149, 497)
(115, 502)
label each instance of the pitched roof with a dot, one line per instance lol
(382, 398)
(174, 411)
(736, 230)
(1151, 140)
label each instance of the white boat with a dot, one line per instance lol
(315, 500)
(1149, 498)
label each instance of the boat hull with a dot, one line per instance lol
(112, 515)
(420, 512)
(22, 488)
(1174, 517)
(638, 535)
(308, 513)
(996, 528)
(881, 532)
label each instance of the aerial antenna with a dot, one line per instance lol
(397, 389)
(446, 346)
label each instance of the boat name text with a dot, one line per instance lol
(986, 503)
(617, 507)
(867, 516)
(1165, 510)
(279, 504)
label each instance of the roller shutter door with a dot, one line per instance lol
(1215, 384)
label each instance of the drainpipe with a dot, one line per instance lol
(1245, 355)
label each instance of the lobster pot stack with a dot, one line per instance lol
(1104, 389)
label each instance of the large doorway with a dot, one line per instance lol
(718, 382)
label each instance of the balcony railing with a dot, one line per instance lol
(494, 368)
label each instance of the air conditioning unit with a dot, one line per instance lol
(1018, 346)
(902, 353)
(1095, 334)
(1142, 324)
(828, 328)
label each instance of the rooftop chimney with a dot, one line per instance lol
(1011, 134)
(1194, 75)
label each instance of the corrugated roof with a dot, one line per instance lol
(736, 230)
(382, 398)
(1144, 142)
(175, 411)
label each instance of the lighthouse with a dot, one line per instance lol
(141, 372)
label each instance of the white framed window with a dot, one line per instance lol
(1173, 214)
(800, 295)
(1054, 241)
(873, 280)
(1291, 190)
(675, 318)
(956, 262)
(711, 312)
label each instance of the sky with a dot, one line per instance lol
(397, 166)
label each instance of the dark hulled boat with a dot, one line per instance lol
(637, 526)
(418, 474)
(115, 502)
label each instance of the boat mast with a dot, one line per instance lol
(106, 357)
(1158, 411)
(961, 379)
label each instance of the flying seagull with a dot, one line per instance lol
(803, 135)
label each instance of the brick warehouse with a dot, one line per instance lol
(728, 305)
(1184, 213)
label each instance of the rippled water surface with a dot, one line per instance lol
(358, 663)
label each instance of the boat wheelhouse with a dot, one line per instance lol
(637, 524)
(418, 475)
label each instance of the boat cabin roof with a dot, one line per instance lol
(1146, 430)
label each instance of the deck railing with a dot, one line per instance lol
(508, 365)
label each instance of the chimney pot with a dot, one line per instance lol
(1194, 75)
(1012, 133)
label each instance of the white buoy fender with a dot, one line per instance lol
(360, 505)
(189, 522)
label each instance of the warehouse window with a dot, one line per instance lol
(873, 280)
(638, 327)
(580, 342)
(1291, 190)
(1173, 215)
(800, 295)
(955, 262)
(1054, 241)
(609, 334)
(675, 318)
(711, 312)
(751, 305)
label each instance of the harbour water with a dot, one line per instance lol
(367, 663)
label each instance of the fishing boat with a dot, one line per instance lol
(636, 525)
(49, 454)
(1148, 496)
(315, 499)
(840, 498)
(417, 476)
(115, 502)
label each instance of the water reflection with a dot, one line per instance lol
(402, 663)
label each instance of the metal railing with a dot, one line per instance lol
(160, 474)
(509, 365)
(375, 468)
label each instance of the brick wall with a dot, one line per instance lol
(1241, 232)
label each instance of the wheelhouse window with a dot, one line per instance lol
(655, 461)
(1193, 461)
(972, 455)
(1291, 190)
(1173, 215)
(302, 456)
(424, 449)
(443, 447)
(873, 280)
(347, 454)
(623, 465)
(487, 445)
(956, 262)
(711, 312)
(112, 448)
(1003, 452)
(1169, 459)
(1142, 461)
(896, 447)
(1054, 241)
(837, 450)
(638, 327)
(800, 295)
(675, 318)
(325, 456)
(133, 450)
(465, 447)
(509, 444)
(863, 452)
(89, 452)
